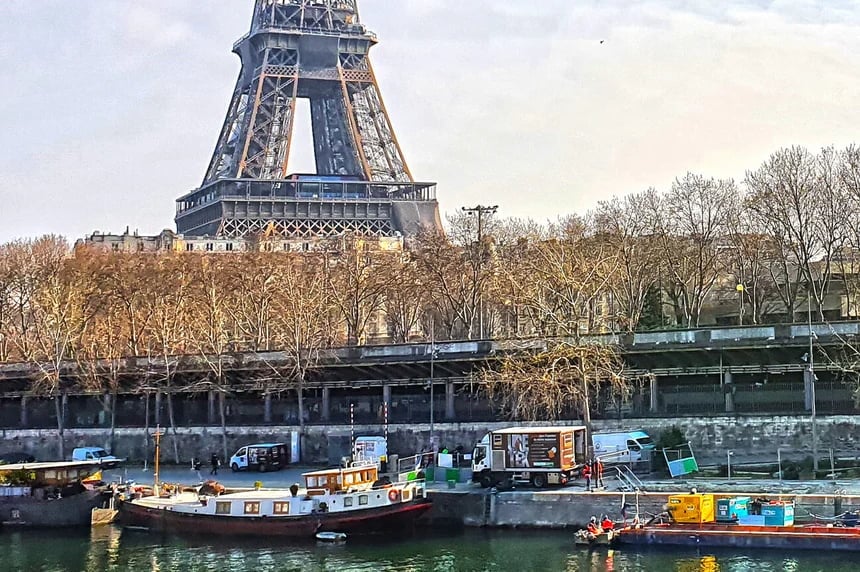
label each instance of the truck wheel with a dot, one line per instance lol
(234, 467)
(486, 481)
(539, 481)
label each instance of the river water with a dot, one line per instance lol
(113, 549)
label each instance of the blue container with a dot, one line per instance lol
(732, 509)
(781, 514)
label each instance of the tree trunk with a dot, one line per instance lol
(172, 420)
(223, 411)
(59, 401)
(301, 392)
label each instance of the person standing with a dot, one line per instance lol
(586, 473)
(215, 463)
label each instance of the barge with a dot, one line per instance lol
(738, 522)
(347, 500)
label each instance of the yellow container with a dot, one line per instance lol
(696, 508)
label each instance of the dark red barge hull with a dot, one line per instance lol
(753, 537)
(395, 518)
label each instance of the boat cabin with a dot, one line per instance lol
(341, 480)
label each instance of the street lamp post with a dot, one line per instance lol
(729, 454)
(432, 379)
(740, 288)
(480, 211)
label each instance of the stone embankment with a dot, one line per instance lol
(748, 437)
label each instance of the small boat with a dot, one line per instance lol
(586, 538)
(331, 536)
(343, 500)
(50, 495)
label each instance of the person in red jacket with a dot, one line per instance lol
(586, 474)
(607, 523)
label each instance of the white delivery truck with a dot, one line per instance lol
(371, 450)
(537, 455)
(622, 447)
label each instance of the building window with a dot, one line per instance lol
(229, 247)
(282, 508)
(210, 247)
(362, 500)
(252, 507)
(222, 507)
(189, 247)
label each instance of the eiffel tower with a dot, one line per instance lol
(317, 50)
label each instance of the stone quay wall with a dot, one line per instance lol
(750, 438)
(562, 508)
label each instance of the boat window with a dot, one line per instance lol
(282, 508)
(312, 482)
(222, 507)
(348, 478)
(252, 507)
(362, 500)
(633, 445)
(347, 502)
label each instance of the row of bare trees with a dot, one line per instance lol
(648, 260)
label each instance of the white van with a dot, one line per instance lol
(96, 454)
(622, 447)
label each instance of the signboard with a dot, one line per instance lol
(681, 460)
(534, 450)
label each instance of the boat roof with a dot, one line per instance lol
(51, 466)
(265, 445)
(532, 430)
(340, 470)
(257, 495)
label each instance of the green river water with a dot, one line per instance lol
(474, 551)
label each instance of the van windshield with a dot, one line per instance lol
(645, 441)
(99, 454)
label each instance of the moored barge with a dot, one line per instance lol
(347, 500)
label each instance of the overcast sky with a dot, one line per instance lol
(110, 108)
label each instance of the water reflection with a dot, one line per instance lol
(114, 550)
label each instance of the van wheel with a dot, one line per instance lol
(263, 468)
(539, 481)
(234, 467)
(486, 481)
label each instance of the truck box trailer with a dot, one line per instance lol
(537, 455)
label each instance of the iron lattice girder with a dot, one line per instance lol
(315, 50)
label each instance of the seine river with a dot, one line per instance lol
(474, 551)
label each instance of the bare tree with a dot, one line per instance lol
(304, 309)
(621, 224)
(358, 286)
(552, 384)
(799, 198)
(690, 223)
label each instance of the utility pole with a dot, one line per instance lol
(812, 383)
(480, 211)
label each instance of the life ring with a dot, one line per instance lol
(394, 495)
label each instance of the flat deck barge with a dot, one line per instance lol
(813, 537)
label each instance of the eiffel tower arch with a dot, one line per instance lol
(317, 50)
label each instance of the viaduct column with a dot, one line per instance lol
(450, 412)
(326, 404)
(654, 405)
(728, 387)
